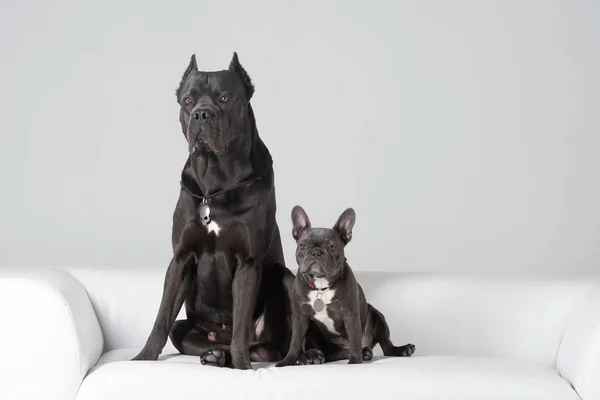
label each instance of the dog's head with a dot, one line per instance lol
(214, 106)
(320, 251)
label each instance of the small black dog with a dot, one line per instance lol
(327, 293)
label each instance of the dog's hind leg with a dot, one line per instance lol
(191, 340)
(334, 352)
(221, 357)
(381, 335)
(368, 341)
(264, 353)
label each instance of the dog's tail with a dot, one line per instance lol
(381, 334)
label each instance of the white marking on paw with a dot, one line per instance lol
(327, 297)
(213, 227)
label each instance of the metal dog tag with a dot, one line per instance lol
(204, 212)
(319, 304)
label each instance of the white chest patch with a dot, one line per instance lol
(213, 227)
(327, 297)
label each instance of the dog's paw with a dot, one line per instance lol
(215, 357)
(239, 360)
(243, 365)
(404, 351)
(311, 357)
(355, 360)
(367, 354)
(286, 362)
(146, 355)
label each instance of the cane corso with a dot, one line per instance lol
(330, 315)
(227, 264)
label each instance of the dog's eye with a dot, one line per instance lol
(224, 99)
(187, 101)
(331, 247)
(302, 246)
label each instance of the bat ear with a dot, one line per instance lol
(192, 67)
(235, 66)
(344, 225)
(300, 222)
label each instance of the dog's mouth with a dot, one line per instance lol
(201, 137)
(196, 149)
(202, 145)
(315, 271)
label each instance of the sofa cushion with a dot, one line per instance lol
(418, 377)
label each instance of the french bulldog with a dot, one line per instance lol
(331, 318)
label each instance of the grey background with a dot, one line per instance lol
(464, 133)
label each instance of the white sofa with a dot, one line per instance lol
(68, 334)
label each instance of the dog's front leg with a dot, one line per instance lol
(177, 281)
(300, 324)
(245, 286)
(354, 331)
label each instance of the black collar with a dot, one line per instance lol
(204, 199)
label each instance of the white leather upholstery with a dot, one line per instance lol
(50, 335)
(126, 301)
(579, 355)
(418, 378)
(476, 337)
(521, 319)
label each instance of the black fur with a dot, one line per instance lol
(357, 325)
(235, 282)
(192, 67)
(236, 67)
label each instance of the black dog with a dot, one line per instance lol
(227, 263)
(327, 293)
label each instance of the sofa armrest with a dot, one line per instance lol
(579, 353)
(50, 334)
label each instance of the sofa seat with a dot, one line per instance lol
(419, 377)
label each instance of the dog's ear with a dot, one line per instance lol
(344, 225)
(192, 67)
(300, 221)
(236, 67)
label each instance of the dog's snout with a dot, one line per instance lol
(203, 114)
(316, 252)
(315, 271)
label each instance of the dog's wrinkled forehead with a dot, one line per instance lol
(213, 84)
(321, 237)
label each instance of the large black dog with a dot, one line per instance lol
(227, 264)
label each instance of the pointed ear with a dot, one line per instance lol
(344, 225)
(235, 66)
(192, 67)
(300, 221)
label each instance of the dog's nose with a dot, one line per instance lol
(316, 252)
(203, 114)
